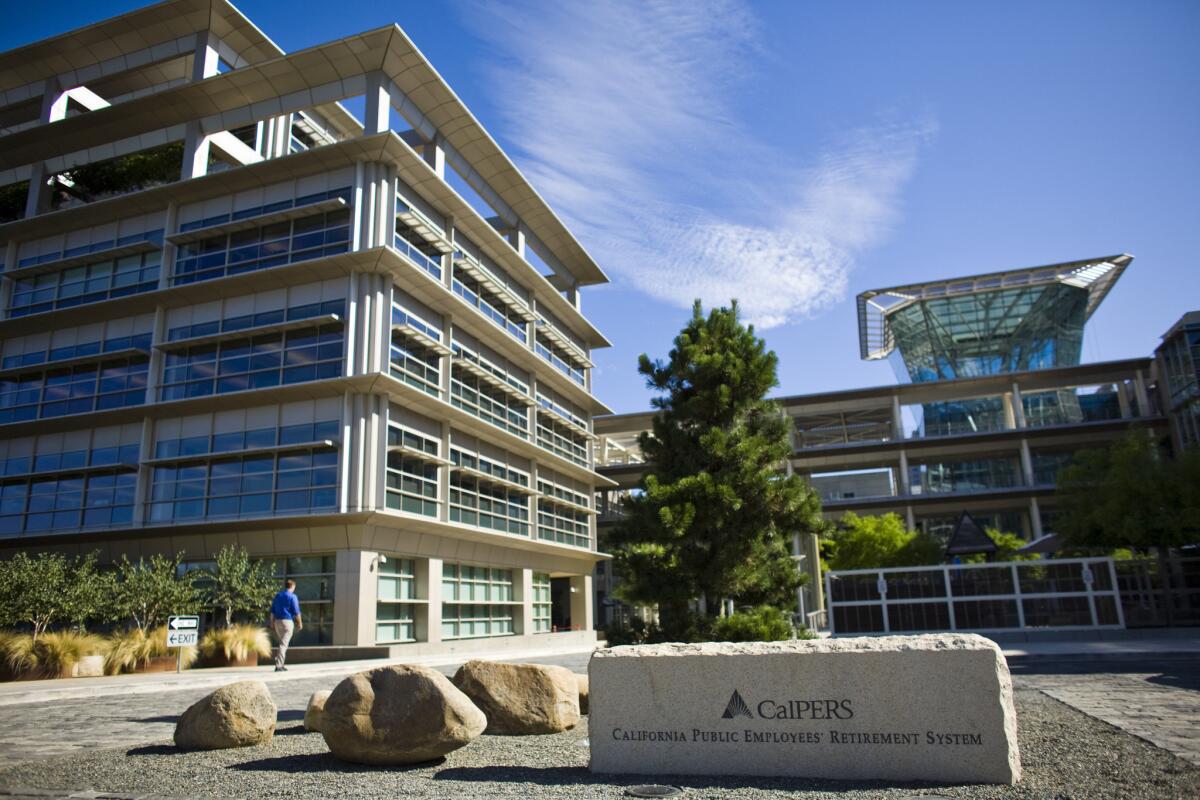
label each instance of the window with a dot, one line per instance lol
(492, 504)
(140, 341)
(416, 364)
(81, 389)
(561, 440)
(314, 577)
(476, 601)
(394, 618)
(303, 433)
(491, 305)
(541, 602)
(68, 501)
(412, 473)
(562, 515)
(479, 398)
(90, 283)
(419, 252)
(262, 247)
(557, 356)
(254, 362)
(258, 320)
(286, 483)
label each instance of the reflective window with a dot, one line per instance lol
(89, 283)
(80, 389)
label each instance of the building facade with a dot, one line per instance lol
(992, 401)
(1178, 362)
(233, 313)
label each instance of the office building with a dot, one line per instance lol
(235, 313)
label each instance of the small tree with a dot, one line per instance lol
(1129, 495)
(147, 592)
(44, 590)
(876, 542)
(716, 518)
(238, 585)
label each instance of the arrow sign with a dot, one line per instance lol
(181, 623)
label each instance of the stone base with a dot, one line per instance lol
(903, 708)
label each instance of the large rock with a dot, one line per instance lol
(238, 715)
(933, 707)
(315, 710)
(398, 715)
(582, 680)
(521, 699)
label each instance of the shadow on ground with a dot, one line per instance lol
(322, 762)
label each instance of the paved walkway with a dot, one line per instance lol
(1162, 708)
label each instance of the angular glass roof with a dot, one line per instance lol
(987, 324)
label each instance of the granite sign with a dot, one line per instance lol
(933, 707)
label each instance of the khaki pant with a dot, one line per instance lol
(283, 630)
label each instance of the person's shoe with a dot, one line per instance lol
(283, 669)
(279, 669)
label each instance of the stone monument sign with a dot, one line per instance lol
(932, 707)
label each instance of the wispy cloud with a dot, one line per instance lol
(622, 114)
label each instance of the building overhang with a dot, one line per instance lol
(876, 339)
(327, 73)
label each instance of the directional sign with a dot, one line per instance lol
(183, 631)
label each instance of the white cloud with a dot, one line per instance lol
(621, 114)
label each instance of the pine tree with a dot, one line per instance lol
(716, 515)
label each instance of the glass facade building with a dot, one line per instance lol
(234, 313)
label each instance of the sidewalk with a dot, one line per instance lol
(19, 692)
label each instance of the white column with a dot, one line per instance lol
(355, 593)
(897, 419)
(1143, 397)
(1035, 518)
(1018, 406)
(581, 602)
(905, 481)
(429, 588)
(1027, 463)
(524, 580)
(377, 118)
(1123, 399)
(1010, 418)
(205, 59)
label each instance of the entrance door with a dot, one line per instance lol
(560, 604)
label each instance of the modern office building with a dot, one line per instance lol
(1178, 361)
(991, 403)
(233, 313)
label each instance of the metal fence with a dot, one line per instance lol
(1054, 594)
(1160, 592)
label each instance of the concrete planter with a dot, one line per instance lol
(157, 664)
(222, 661)
(88, 667)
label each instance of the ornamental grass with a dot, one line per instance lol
(236, 643)
(134, 648)
(52, 655)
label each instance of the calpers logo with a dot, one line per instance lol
(736, 707)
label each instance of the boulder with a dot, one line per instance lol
(521, 699)
(398, 715)
(315, 710)
(582, 680)
(238, 715)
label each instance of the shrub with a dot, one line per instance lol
(51, 655)
(762, 624)
(236, 643)
(129, 650)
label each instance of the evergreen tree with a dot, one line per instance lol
(716, 516)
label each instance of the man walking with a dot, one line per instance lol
(285, 619)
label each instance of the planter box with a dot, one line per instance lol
(88, 667)
(221, 661)
(158, 664)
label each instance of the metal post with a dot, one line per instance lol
(178, 660)
(1089, 582)
(949, 597)
(829, 603)
(881, 587)
(1017, 594)
(1116, 591)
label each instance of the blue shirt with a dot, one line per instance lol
(285, 605)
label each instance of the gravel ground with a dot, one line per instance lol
(1065, 754)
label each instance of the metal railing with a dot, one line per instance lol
(1054, 594)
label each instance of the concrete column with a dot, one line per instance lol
(429, 587)
(905, 483)
(355, 593)
(170, 252)
(1035, 518)
(205, 60)
(141, 507)
(574, 297)
(1123, 400)
(897, 419)
(435, 156)
(581, 602)
(524, 580)
(909, 518)
(195, 152)
(1027, 463)
(37, 200)
(1010, 418)
(1143, 397)
(6, 287)
(377, 118)
(811, 550)
(1018, 406)
(444, 477)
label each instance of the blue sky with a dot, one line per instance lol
(794, 154)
